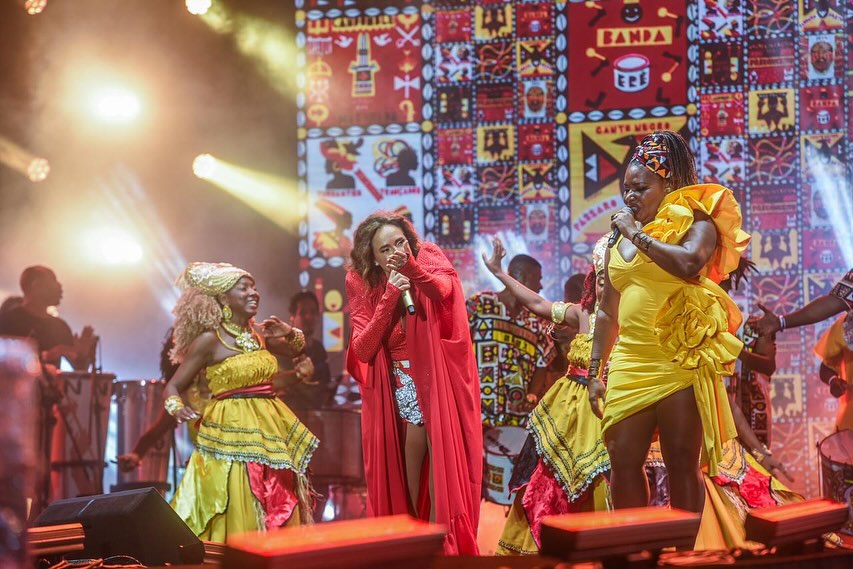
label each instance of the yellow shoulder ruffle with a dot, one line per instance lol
(675, 217)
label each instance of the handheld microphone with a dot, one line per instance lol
(614, 236)
(611, 241)
(408, 301)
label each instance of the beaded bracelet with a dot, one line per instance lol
(643, 241)
(173, 404)
(594, 369)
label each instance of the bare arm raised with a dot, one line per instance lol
(539, 306)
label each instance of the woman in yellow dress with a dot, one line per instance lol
(571, 462)
(248, 471)
(675, 325)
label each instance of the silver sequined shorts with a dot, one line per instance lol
(406, 395)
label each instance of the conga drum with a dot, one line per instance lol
(80, 436)
(502, 445)
(836, 469)
(139, 403)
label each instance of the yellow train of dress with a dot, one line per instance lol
(726, 507)
(675, 334)
(214, 497)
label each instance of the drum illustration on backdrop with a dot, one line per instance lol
(631, 72)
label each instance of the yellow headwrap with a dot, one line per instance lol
(211, 278)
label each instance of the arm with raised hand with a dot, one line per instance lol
(685, 259)
(435, 285)
(540, 306)
(369, 327)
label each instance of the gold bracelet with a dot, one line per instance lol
(295, 340)
(761, 453)
(173, 404)
(558, 311)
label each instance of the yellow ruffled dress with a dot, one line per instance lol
(568, 441)
(215, 497)
(675, 333)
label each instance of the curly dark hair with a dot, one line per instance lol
(588, 298)
(681, 158)
(361, 257)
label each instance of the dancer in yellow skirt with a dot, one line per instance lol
(571, 462)
(675, 325)
(248, 470)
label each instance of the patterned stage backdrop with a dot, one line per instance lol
(484, 117)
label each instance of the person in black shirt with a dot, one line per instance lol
(52, 334)
(313, 392)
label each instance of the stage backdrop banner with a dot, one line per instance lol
(518, 118)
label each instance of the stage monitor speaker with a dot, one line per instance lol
(390, 542)
(796, 522)
(138, 523)
(614, 536)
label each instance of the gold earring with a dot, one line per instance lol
(227, 313)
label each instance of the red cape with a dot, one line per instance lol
(448, 387)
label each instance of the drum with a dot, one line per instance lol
(836, 469)
(80, 436)
(339, 457)
(502, 447)
(631, 72)
(139, 404)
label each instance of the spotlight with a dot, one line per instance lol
(115, 105)
(113, 246)
(198, 7)
(38, 169)
(34, 7)
(204, 166)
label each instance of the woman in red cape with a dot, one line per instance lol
(420, 390)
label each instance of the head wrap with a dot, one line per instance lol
(211, 278)
(654, 155)
(598, 252)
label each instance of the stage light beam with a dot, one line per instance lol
(204, 166)
(114, 104)
(275, 198)
(38, 169)
(112, 246)
(198, 7)
(23, 161)
(34, 7)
